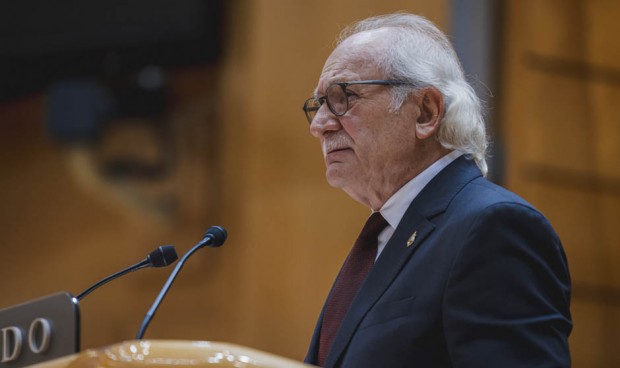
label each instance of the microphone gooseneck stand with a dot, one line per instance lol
(160, 257)
(214, 237)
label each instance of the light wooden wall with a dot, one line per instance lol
(562, 127)
(246, 161)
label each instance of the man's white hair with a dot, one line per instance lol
(420, 53)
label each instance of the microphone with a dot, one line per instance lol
(214, 237)
(163, 256)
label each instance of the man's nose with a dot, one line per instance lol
(324, 121)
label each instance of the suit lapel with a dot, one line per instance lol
(432, 201)
(387, 267)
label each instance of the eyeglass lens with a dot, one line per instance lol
(311, 106)
(336, 99)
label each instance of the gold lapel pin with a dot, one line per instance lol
(411, 239)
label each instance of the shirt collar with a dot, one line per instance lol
(394, 209)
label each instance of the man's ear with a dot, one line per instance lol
(430, 101)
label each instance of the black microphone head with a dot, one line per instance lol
(162, 256)
(215, 236)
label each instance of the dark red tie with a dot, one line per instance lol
(353, 273)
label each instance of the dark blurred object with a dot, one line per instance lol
(43, 41)
(78, 110)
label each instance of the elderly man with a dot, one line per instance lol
(450, 269)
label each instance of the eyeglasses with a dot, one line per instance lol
(337, 97)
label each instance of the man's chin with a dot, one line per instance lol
(336, 177)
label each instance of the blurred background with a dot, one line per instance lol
(125, 125)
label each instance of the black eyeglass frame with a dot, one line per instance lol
(383, 82)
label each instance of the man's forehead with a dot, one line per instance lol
(347, 64)
(338, 69)
(354, 58)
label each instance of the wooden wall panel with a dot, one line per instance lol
(559, 112)
(63, 228)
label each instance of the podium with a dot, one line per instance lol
(172, 353)
(45, 333)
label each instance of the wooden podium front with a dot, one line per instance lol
(172, 353)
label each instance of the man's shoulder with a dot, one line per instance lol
(482, 194)
(482, 206)
(462, 189)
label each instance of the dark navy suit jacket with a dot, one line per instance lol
(484, 284)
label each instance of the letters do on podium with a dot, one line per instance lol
(39, 330)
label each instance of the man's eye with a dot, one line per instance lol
(350, 94)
